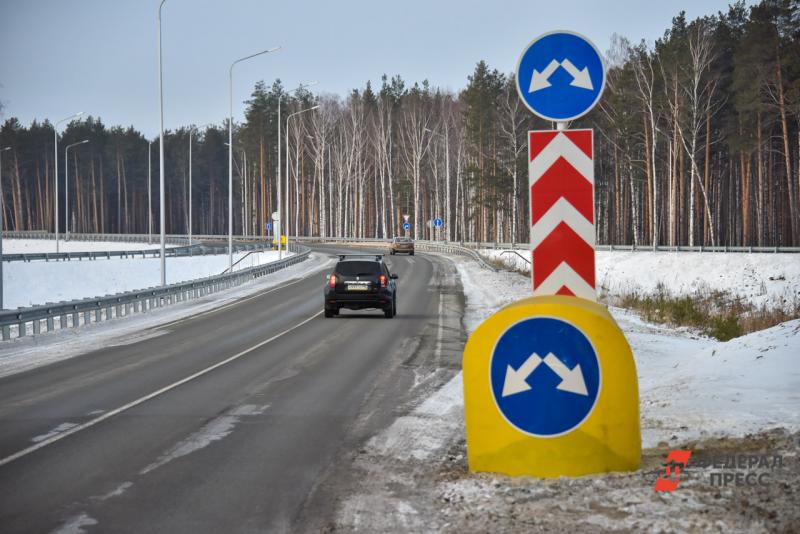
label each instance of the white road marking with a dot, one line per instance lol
(117, 411)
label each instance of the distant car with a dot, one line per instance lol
(360, 282)
(402, 244)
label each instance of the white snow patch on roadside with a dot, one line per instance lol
(762, 279)
(427, 430)
(116, 492)
(39, 282)
(63, 427)
(75, 524)
(217, 429)
(22, 354)
(734, 388)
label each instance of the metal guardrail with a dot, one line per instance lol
(660, 248)
(175, 251)
(72, 314)
(120, 238)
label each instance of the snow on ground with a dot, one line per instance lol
(763, 279)
(38, 282)
(22, 354)
(31, 246)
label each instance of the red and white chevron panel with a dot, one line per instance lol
(561, 180)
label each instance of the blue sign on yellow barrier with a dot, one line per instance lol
(550, 389)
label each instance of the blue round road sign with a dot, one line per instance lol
(268, 226)
(545, 376)
(406, 226)
(560, 76)
(437, 222)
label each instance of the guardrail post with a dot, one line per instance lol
(37, 327)
(22, 329)
(63, 321)
(6, 332)
(50, 324)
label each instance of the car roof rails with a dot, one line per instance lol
(378, 257)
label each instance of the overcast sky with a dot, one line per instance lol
(58, 57)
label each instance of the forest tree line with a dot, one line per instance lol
(697, 142)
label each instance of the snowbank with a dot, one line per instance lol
(38, 282)
(31, 246)
(768, 280)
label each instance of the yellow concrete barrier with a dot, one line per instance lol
(550, 390)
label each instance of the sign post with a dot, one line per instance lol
(550, 385)
(437, 224)
(276, 220)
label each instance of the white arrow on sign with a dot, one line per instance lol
(539, 80)
(580, 78)
(571, 379)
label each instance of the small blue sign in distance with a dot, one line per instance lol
(406, 226)
(268, 226)
(437, 222)
(545, 376)
(560, 76)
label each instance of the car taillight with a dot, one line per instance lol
(382, 278)
(332, 281)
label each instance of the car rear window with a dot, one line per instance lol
(358, 268)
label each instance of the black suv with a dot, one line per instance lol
(359, 282)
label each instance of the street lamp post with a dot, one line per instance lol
(280, 196)
(66, 185)
(190, 185)
(230, 152)
(149, 196)
(55, 168)
(2, 214)
(161, 152)
(287, 174)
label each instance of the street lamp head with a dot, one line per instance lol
(84, 141)
(5, 148)
(313, 108)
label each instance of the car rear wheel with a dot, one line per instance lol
(329, 313)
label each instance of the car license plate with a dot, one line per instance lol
(357, 287)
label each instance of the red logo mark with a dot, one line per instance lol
(676, 462)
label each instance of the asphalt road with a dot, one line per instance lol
(230, 421)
